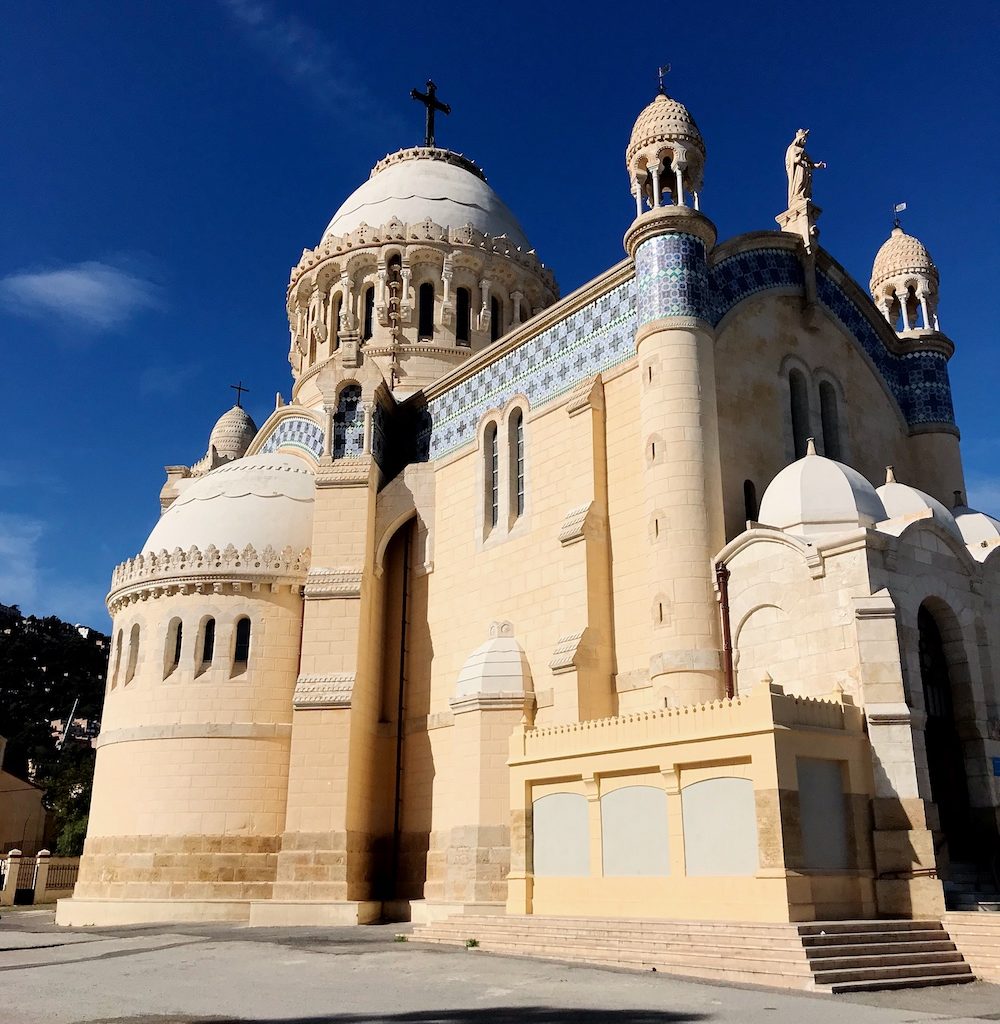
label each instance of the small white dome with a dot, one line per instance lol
(977, 528)
(817, 495)
(264, 500)
(415, 185)
(232, 433)
(496, 668)
(902, 501)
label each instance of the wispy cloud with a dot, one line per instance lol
(302, 54)
(93, 294)
(165, 381)
(19, 537)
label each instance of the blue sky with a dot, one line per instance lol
(165, 163)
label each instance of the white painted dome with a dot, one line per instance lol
(977, 528)
(902, 502)
(415, 185)
(817, 495)
(496, 668)
(263, 500)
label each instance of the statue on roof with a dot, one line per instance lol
(799, 167)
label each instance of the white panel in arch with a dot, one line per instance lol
(720, 827)
(634, 832)
(561, 836)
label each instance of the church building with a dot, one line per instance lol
(659, 599)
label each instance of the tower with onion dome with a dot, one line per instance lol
(670, 241)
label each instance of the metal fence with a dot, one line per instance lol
(63, 875)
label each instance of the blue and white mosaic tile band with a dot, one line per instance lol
(671, 278)
(295, 432)
(594, 338)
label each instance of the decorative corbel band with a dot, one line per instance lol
(317, 692)
(588, 394)
(564, 654)
(353, 472)
(878, 606)
(573, 523)
(890, 714)
(492, 702)
(323, 584)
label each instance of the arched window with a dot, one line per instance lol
(118, 660)
(830, 417)
(172, 649)
(349, 424)
(750, 501)
(492, 476)
(515, 448)
(133, 654)
(425, 328)
(312, 347)
(463, 316)
(241, 646)
(496, 318)
(207, 644)
(335, 307)
(369, 313)
(799, 401)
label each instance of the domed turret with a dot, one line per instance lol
(817, 495)
(978, 528)
(903, 502)
(665, 154)
(420, 267)
(904, 283)
(232, 433)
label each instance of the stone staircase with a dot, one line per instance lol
(971, 887)
(837, 956)
(977, 937)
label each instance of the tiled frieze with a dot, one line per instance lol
(744, 274)
(589, 340)
(671, 278)
(295, 432)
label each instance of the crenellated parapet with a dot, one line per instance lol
(152, 574)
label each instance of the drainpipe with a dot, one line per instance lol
(722, 583)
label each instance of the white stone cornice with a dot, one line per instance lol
(323, 583)
(315, 692)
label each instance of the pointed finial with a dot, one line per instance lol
(890, 475)
(810, 446)
(661, 72)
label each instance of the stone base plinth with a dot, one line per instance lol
(426, 911)
(82, 913)
(290, 913)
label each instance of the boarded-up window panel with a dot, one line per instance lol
(634, 832)
(720, 827)
(561, 837)
(823, 815)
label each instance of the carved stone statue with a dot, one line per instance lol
(799, 167)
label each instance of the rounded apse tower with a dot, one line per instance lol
(190, 785)
(670, 240)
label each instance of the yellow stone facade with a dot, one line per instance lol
(593, 605)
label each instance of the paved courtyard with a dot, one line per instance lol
(228, 974)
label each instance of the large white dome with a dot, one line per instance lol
(415, 185)
(817, 495)
(262, 500)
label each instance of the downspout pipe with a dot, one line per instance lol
(722, 575)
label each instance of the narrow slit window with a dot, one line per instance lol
(425, 329)
(241, 647)
(492, 476)
(172, 654)
(830, 416)
(208, 644)
(750, 501)
(799, 402)
(463, 317)
(496, 318)
(335, 323)
(133, 654)
(369, 317)
(515, 440)
(118, 660)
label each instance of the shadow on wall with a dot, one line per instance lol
(485, 1015)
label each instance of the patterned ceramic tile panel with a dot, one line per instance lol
(379, 425)
(595, 338)
(349, 424)
(672, 278)
(734, 279)
(295, 432)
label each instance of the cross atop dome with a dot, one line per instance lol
(431, 103)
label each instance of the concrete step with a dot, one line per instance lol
(894, 973)
(853, 962)
(920, 981)
(858, 927)
(840, 938)
(875, 948)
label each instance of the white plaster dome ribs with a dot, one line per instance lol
(249, 521)
(901, 254)
(421, 184)
(904, 502)
(817, 495)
